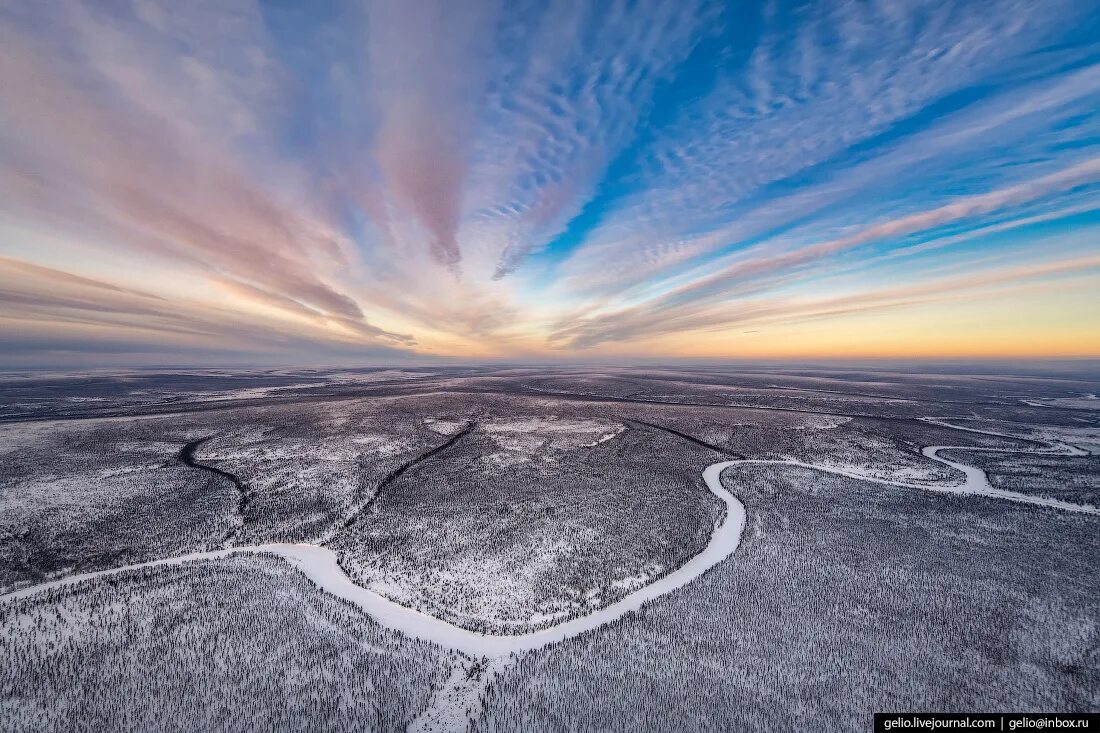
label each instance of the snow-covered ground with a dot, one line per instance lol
(461, 697)
(1084, 402)
(525, 436)
(536, 450)
(321, 566)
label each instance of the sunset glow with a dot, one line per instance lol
(238, 182)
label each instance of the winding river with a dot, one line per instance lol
(319, 564)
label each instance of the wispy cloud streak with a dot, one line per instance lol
(666, 313)
(428, 68)
(489, 179)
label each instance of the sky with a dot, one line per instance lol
(214, 182)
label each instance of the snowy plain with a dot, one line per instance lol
(331, 481)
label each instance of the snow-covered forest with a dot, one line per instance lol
(909, 542)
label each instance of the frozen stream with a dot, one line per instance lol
(460, 698)
(320, 565)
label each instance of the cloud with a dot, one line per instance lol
(560, 113)
(667, 312)
(491, 179)
(427, 63)
(818, 82)
(96, 153)
(52, 298)
(31, 271)
(780, 310)
(1017, 119)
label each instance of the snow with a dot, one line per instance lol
(1084, 402)
(521, 439)
(320, 565)
(821, 422)
(1068, 441)
(383, 375)
(553, 424)
(444, 427)
(459, 700)
(634, 581)
(239, 394)
(505, 588)
(977, 483)
(604, 438)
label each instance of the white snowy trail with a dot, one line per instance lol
(320, 565)
(460, 699)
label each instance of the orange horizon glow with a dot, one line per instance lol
(174, 196)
